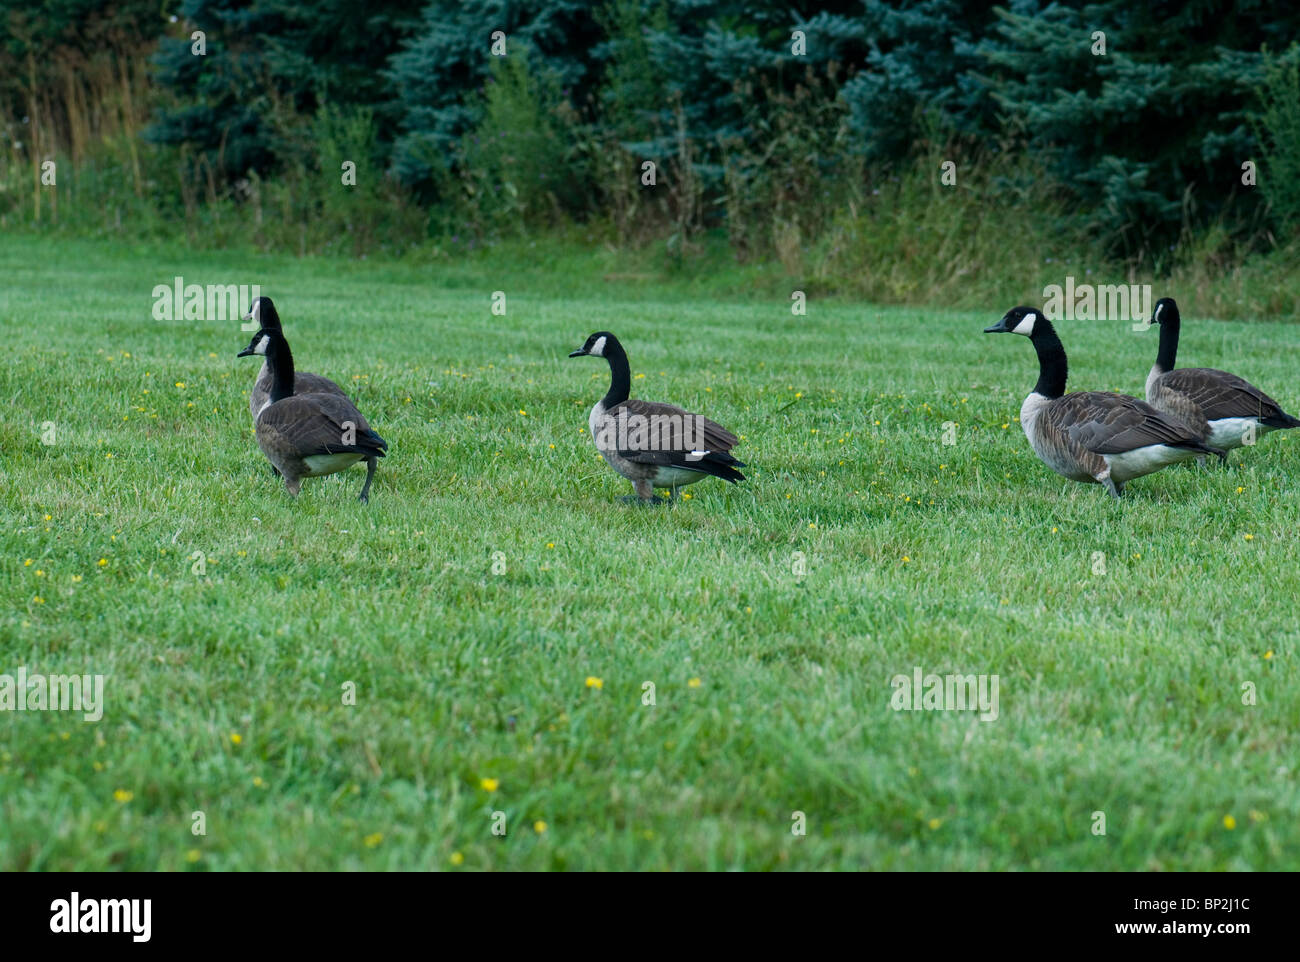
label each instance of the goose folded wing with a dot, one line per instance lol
(1221, 395)
(1106, 423)
(319, 424)
(670, 435)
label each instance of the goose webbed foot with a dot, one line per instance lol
(637, 499)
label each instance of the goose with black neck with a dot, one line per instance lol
(653, 445)
(1092, 436)
(309, 435)
(1224, 410)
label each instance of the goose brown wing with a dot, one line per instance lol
(1107, 423)
(317, 424)
(675, 434)
(1221, 395)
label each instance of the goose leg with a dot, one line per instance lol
(1221, 454)
(370, 473)
(1116, 490)
(645, 493)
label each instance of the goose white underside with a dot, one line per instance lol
(319, 464)
(676, 477)
(1230, 432)
(1140, 461)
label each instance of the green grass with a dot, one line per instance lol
(1119, 693)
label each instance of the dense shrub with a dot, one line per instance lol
(771, 123)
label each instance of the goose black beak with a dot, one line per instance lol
(999, 328)
(578, 353)
(246, 352)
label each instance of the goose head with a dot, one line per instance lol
(1018, 320)
(263, 312)
(595, 345)
(262, 344)
(1166, 311)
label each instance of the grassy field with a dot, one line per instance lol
(521, 691)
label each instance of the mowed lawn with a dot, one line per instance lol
(521, 692)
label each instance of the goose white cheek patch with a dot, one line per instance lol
(1026, 325)
(261, 347)
(598, 348)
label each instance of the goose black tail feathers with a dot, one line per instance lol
(715, 465)
(1281, 421)
(370, 444)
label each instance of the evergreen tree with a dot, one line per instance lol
(269, 65)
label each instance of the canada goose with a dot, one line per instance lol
(1222, 409)
(309, 435)
(268, 319)
(1092, 436)
(653, 445)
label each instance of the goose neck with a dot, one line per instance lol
(1168, 343)
(1052, 366)
(620, 374)
(280, 360)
